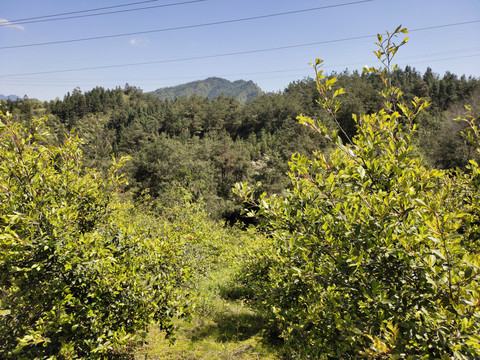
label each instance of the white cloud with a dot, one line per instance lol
(5, 22)
(139, 42)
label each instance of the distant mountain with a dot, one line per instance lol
(9, 97)
(211, 88)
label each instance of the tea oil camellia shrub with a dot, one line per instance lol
(82, 275)
(374, 255)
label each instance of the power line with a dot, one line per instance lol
(186, 26)
(195, 57)
(442, 53)
(99, 14)
(444, 26)
(79, 12)
(236, 53)
(298, 70)
(67, 82)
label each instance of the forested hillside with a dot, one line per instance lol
(207, 145)
(337, 219)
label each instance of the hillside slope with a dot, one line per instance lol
(211, 88)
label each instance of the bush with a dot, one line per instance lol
(373, 253)
(82, 275)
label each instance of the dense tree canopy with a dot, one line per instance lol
(173, 140)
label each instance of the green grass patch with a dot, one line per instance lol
(219, 328)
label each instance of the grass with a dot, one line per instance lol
(218, 329)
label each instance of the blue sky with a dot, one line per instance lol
(272, 51)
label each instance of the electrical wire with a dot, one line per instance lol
(185, 26)
(195, 57)
(79, 11)
(236, 53)
(63, 83)
(100, 14)
(444, 26)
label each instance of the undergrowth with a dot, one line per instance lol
(220, 327)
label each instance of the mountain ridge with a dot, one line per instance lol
(9, 97)
(211, 87)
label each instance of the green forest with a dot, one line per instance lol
(337, 219)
